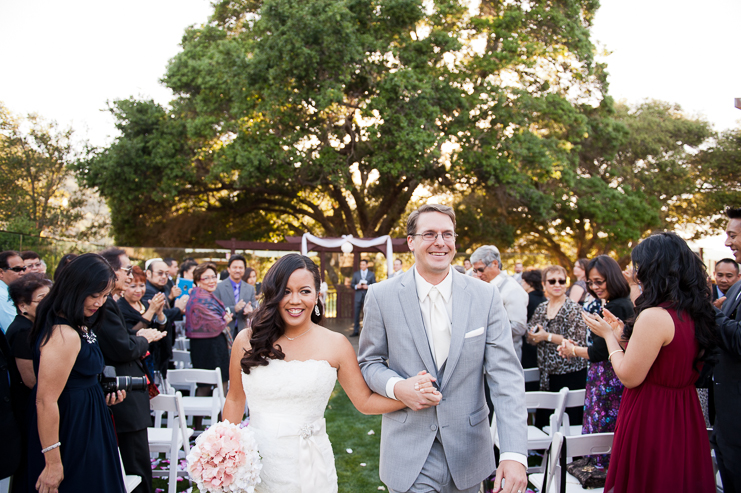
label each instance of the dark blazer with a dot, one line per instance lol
(370, 277)
(10, 430)
(123, 349)
(225, 293)
(727, 371)
(714, 289)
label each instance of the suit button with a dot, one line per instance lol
(433, 427)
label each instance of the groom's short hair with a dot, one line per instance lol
(414, 216)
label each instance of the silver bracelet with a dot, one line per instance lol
(50, 447)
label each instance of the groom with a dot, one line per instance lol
(433, 318)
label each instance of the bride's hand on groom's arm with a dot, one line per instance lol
(418, 392)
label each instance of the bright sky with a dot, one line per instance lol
(65, 60)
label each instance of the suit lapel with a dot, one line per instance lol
(461, 310)
(732, 300)
(410, 306)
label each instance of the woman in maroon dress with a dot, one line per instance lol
(661, 443)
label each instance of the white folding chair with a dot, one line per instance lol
(538, 439)
(171, 439)
(193, 405)
(130, 481)
(561, 454)
(181, 359)
(531, 375)
(182, 344)
(574, 398)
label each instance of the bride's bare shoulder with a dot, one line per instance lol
(243, 339)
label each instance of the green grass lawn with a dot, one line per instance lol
(347, 429)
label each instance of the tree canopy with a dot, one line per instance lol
(39, 191)
(330, 115)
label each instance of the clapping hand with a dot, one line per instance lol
(228, 317)
(181, 302)
(566, 349)
(151, 335)
(175, 292)
(240, 306)
(603, 327)
(157, 303)
(719, 302)
(248, 308)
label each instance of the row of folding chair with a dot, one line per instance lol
(563, 448)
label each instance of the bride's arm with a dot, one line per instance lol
(365, 400)
(235, 398)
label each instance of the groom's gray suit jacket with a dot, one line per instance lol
(394, 343)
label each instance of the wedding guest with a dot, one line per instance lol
(157, 272)
(726, 274)
(66, 259)
(26, 293)
(533, 285)
(32, 261)
(468, 266)
(12, 452)
(554, 321)
(206, 325)
(237, 296)
(74, 445)
(727, 372)
(661, 442)
(361, 280)
(578, 291)
(172, 271)
(604, 389)
(186, 269)
(398, 268)
(11, 268)
(487, 266)
(124, 348)
(517, 276)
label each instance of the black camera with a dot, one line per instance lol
(111, 383)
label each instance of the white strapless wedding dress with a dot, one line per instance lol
(287, 400)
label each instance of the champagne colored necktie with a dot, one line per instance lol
(440, 326)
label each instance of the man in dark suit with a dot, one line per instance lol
(157, 275)
(727, 373)
(726, 274)
(237, 295)
(123, 348)
(360, 282)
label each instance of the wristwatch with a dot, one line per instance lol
(550, 337)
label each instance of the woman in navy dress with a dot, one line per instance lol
(72, 448)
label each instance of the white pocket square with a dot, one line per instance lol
(474, 333)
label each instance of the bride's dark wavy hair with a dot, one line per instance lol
(267, 323)
(670, 272)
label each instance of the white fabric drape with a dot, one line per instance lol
(359, 242)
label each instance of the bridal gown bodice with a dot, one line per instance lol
(286, 400)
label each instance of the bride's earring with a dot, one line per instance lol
(316, 310)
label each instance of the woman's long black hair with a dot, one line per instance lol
(609, 269)
(669, 272)
(267, 323)
(84, 276)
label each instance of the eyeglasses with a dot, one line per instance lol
(596, 283)
(127, 270)
(209, 278)
(430, 236)
(552, 282)
(17, 268)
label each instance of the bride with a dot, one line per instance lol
(286, 369)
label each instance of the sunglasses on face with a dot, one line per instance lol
(552, 282)
(127, 270)
(17, 268)
(596, 283)
(480, 270)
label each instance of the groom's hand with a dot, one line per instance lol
(417, 392)
(515, 475)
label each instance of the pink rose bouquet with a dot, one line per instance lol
(225, 460)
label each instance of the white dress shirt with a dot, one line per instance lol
(514, 298)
